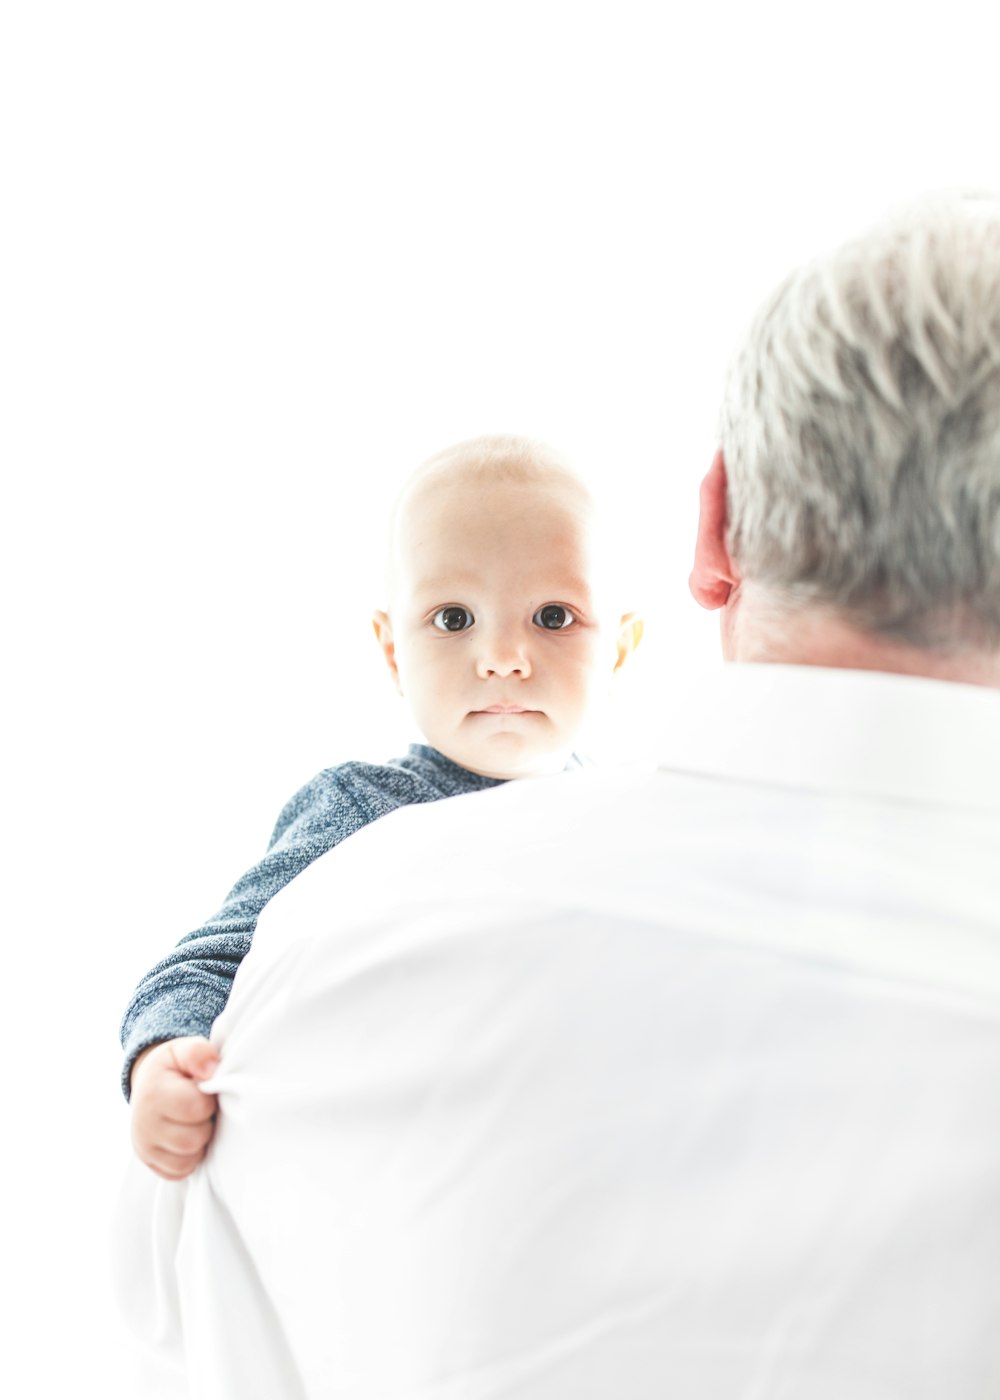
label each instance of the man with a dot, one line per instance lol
(682, 1083)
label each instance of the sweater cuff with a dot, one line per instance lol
(164, 1021)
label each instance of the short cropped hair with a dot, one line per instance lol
(861, 431)
(497, 457)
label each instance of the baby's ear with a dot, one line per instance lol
(629, 637)
(383, 631)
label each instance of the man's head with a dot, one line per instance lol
(502, 629)
(852, 516)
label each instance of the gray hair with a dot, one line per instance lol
(861, 431)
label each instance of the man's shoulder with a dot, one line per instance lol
(855, 734)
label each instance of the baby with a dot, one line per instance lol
(502, 635)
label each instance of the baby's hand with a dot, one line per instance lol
(172, 1120)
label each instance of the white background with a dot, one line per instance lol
(257, 262)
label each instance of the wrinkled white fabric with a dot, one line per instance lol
(679, 1083)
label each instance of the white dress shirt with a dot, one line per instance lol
(678, 1083)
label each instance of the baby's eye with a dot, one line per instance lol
(553, 617)
(453, 619)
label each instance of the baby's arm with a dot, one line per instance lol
(173, 1008)
(172, 1120)
(184, 993)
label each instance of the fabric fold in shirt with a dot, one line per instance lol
(667, 1083)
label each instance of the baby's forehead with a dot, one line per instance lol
(452, 503)
(468, 519)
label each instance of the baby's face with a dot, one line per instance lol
(496, 633)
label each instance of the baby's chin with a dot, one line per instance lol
(493, 763)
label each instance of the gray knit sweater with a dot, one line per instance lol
(183, 994)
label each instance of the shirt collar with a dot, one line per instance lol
(856, 733)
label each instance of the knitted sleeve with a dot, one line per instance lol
(186, 991)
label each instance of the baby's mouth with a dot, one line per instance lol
(505, 710)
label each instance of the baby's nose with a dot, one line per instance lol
(503, 656)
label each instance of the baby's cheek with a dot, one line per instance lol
(590, 666)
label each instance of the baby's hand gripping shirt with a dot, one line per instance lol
(183, 994)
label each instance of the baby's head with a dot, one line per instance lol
(502, 630)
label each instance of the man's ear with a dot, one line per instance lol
(383, 631)
(629, 637)
(714, 575)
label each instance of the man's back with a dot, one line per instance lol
(668, 1084)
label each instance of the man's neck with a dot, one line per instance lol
(812, 636)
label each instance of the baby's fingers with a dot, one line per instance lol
(194, 1056)
(182, 1100)
(175, 1149)
(172, 1166)
(185, 1139)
